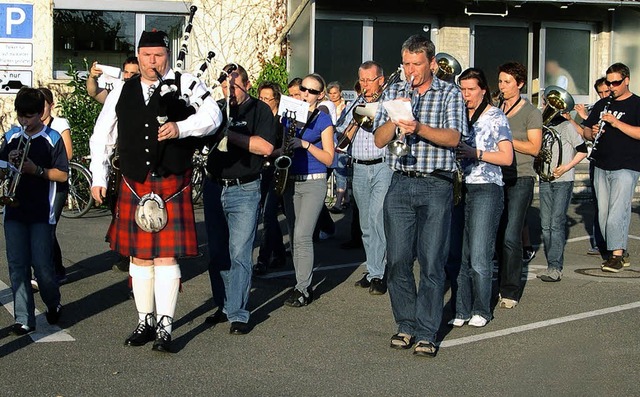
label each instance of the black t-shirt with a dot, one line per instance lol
(615, 150)
(251, 118)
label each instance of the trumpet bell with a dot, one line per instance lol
(398, 148)
(448, 66)
(364, 114)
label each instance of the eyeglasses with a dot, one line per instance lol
(265, 99)
(367, 81)
(311, 90)
(614, 83)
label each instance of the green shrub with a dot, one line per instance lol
(274, 71)
(79, 109)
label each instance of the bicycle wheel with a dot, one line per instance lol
(197, 182)
(79, 200)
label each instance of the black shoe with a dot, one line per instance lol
(363, 282)
(122, 265)
(216, 318)
(238, 328)
(19, 329)
(54, 315)
(298, 299)
(378, 286)
(162, 342)
(260, 269)
(352, 245)
(141, 335)
(614, 264)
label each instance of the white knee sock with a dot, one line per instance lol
(142, 284)
(167, 284)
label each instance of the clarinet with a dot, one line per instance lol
(600, 128)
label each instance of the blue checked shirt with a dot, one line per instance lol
(363, 146)
(441, 106)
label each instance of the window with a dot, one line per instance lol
(496, 45)
(388, 38)
(106, 36)
(566, 58)
(341, 45)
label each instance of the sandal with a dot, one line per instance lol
(425, 349)
(401, 341)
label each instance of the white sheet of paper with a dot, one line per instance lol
(301, 108)
(398, 110)
(110, 75)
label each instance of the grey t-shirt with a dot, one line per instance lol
(527, 118)
(570, 140)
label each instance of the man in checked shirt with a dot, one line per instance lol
(417, 207)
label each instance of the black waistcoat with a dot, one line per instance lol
(138, 146)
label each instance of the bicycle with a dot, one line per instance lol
(199, 173)
(79, 200)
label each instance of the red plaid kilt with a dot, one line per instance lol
(177, 239)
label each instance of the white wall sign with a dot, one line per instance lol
(12, 80)
(16, 54)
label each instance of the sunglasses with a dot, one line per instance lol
(311, 90)
(614, 83)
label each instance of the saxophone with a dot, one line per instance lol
(284, 161)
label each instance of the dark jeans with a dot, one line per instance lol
(517, 199)
(417, 217)
(597, 240)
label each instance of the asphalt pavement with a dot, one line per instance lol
(577, 337)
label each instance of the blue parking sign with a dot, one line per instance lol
(16, 21)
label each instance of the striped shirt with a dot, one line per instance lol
(441, 106)
(363, 146)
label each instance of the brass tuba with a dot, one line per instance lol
(448, 67)
(558, 101)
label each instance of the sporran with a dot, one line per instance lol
(151, 213)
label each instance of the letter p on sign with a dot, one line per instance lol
(16, 21)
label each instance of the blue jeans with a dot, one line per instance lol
(554, 203)
(341, 171)
(303, 202)
(231, 215)
(31, 244)
(517, 199)
(614, 190)
(483, 206)
(417, 215)
(370, 185)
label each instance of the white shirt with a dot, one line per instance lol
(105, 133)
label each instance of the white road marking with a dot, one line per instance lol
(44, 332)
(539, 324)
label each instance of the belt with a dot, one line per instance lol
(308, 177)
(369, 162)
(444, 175)
(233, 182)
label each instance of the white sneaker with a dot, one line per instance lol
(458, 322)
(477, 321)
(506, 303)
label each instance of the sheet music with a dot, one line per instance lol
(301, 108)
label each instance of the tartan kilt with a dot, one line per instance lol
(177, 239)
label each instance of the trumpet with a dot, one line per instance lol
(399, 146)
(15, 172)
(363, 113)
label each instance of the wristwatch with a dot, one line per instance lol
(40, 171)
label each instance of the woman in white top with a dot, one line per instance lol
(62, 126)
(489, 146)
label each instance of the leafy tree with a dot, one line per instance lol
(79, 109)
(274, 71)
